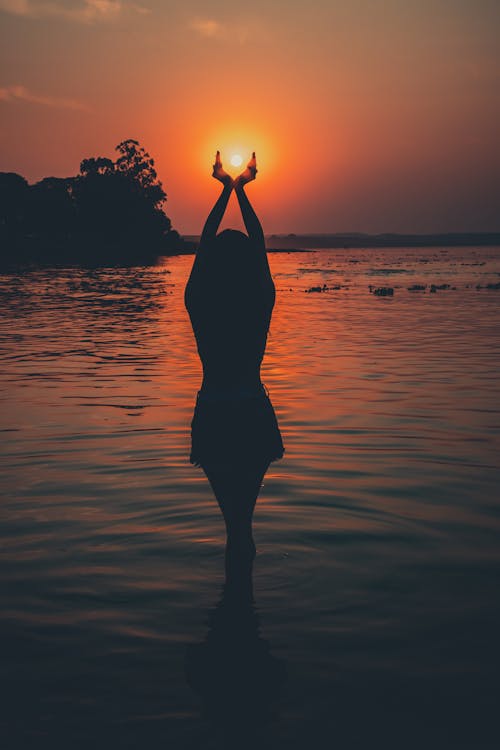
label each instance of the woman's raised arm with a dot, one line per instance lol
(215, 216)
(250, 219)
(212, 223)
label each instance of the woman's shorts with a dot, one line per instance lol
(235, 432)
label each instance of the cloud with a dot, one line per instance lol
(99, 9)
(88, 11)
(17, 7)
(13, 93)
(139, 9)
(207, 27)
(235, 32)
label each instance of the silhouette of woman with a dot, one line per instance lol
(230, 297)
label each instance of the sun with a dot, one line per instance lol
(236, 160)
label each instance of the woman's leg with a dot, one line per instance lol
(236, 489)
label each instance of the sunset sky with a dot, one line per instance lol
(366, 115)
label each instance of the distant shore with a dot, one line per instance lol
(302, 242)
(88, 251)
(449, 239)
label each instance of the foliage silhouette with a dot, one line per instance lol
(111, 211)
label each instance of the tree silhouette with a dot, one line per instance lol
(93, 166)
(115, 207)
(13, 203)
(137, 165)
(122, 200)
(52, 209)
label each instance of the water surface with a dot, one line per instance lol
(375, 584)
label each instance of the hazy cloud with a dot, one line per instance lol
(87, 11)
(207, 27)
(139, 9)
(13, 93)
(236, 32)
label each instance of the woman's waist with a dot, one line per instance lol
(231, 391)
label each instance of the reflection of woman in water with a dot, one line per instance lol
(230, 297)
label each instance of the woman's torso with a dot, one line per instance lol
(231, 334)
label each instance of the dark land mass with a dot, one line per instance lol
(111, 212)
(357, 240)
(300, 243)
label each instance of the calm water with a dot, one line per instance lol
(376, 614)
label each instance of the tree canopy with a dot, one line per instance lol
(111, 207)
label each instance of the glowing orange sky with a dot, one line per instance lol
(365, 116)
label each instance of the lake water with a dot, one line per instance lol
(375, 614)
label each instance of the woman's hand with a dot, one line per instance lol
(220, 174)
(249, 174)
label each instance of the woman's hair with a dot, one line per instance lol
(231, 259)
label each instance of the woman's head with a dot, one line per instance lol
(231, 258)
